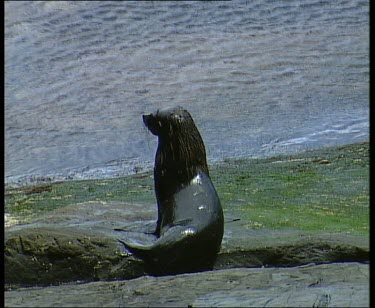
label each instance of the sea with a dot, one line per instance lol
(260, 78)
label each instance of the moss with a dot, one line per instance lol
(320, 190)
(132, 188)
(324, 189)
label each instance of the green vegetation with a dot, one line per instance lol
(33, 200)
(320, 190)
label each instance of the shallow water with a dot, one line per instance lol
(259, 78)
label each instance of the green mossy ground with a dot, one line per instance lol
(320, 190)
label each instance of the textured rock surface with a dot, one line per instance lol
(325, 285)
(78, 242)
(67, 243)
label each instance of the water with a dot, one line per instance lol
(259, 78)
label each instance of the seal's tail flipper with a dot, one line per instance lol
(173, 239)
(125, 230)
(139, 250)
(137, 242)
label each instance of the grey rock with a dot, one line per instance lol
(325, 285)
(77, 243)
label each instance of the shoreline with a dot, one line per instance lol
(118, 169)
(282, 214)
(330, 184)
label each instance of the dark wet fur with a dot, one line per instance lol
(180, 154)
(190, 222)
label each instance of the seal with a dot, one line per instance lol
(190, 222)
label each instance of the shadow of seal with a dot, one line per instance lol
(190, 221)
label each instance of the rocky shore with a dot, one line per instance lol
(69, 256)
(326, 285)
(77, 243)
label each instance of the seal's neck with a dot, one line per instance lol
(180, 158)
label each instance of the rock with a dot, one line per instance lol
(75, 242)
(47, 255)
(78, 243)
(325, 285)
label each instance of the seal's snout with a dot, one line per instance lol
(151, 123)
(146, 118)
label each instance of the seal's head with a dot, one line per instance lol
(163, 122)
(181, 152)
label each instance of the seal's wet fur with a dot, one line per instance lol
(180, 155)
(190, 221)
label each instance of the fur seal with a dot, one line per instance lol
(190, 221)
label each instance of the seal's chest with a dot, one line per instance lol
(197, 201)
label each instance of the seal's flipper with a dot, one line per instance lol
(125, 230)
(146, 227)
(174, 238)
(182, 249)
